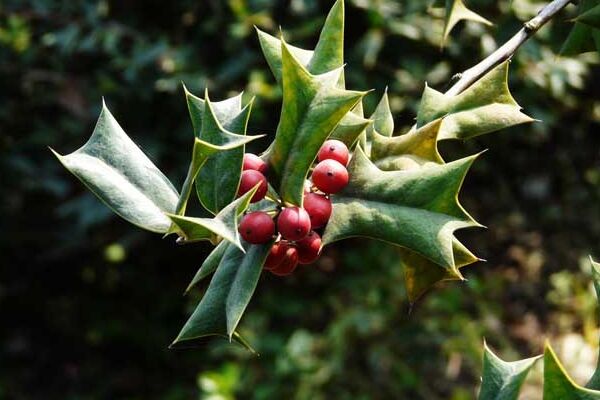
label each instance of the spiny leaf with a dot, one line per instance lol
(209, 265)
(484, 107)
(582, 37)
(218, 180)
(114, 168)
(558, 385)
(594, 382)
(456, 11)
(312, 107)
(350, 128)
(203, 150)
(383, 121)
(590, 17)
(415, 209)
(502, 380)
(227, 296)
(414, 149)
(223, 225)
(420, 273)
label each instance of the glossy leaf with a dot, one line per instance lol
(312, 107)
(457, 11)
(414, 149)
(502, 380)
(558, 385)
(209, 265)
(224, 225)
(116, 170)
(484, 107)
(203, 150)
(350, 128)
(227, 296)
(218, 180)
(383, 121)
(416, 209)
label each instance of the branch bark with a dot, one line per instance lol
(506, 51)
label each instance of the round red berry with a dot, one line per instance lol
(251, 178)
(276, 255)
(254, 162)
(288, 264)
(318, 208)
(293, 223)
(330, 176)
(309, 248)
(334, 150)
(257, 227)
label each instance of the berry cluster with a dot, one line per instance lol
(297, 241)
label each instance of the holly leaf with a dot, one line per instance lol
(484, 107)
(502, 380)
(224, 225)
(414, 149)
(457, 11)
(415, 209)
(594, 382)
(558, 385)
(218, 180)
(383, 121)
(116, 170)
(211, 129)
(312, 107)
(590, 17)
(227, 296)
(583, 37)
(350, 128)
(209, 265)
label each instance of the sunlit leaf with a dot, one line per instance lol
(457, 11)
(558, 385)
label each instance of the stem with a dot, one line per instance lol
(509, 48)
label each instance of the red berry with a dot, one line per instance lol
(254, 162)
(318, 208)
(251, 178)
(309, 248)
(257, 227)
(289, 263)
(276, 255)
(334, 150)
(330, 176)
(293, 223)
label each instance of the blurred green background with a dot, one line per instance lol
(89, 304)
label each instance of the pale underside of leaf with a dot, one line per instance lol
(502, 380)
(484, 107)
(116, 170)
(416, 209)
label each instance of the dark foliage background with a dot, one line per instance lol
(89, 304)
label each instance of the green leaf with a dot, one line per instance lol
(203, 150)
(218, 180)
(114, 168)
(590, 17)
(484, 107)
(456, 11)
(594, 382)
(557, 383)
(415, 209)
(383, 121)
(414, 149)
(350, 128)
(227, 296)
(312, 107)
(223, 225)
(502, 380)
(582, 36)
(420, 274)
(327, 55)
(209, 265)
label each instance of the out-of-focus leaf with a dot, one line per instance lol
(223, 225)
(484, 107)
(456, 11)
(114, 168)
(209, 265)
(590, 17)
(558, 385)
(218, 180)
(583, 35)
(227, 296)
(313, 106)
(594, 382)
(414, 209)
(502, 380)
